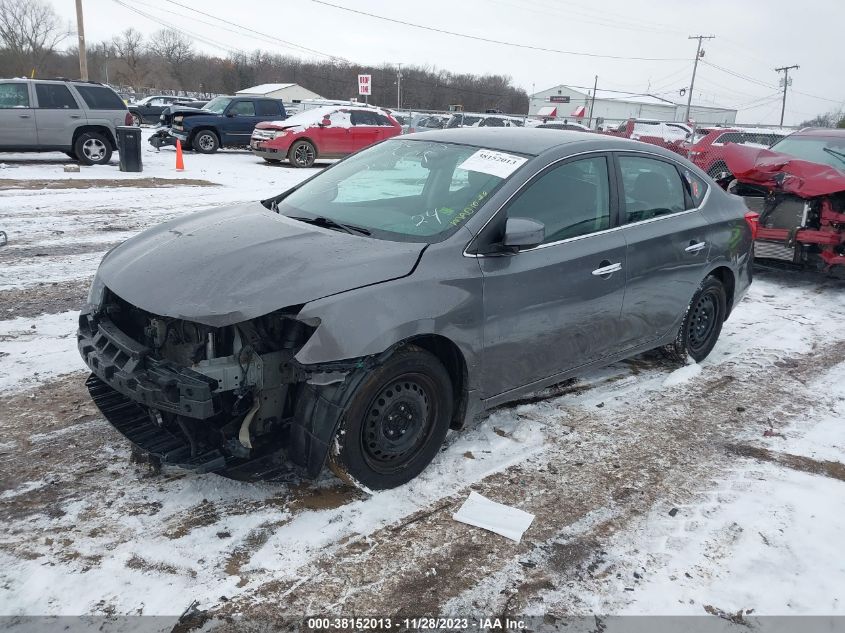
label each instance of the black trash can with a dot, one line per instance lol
(129, 146)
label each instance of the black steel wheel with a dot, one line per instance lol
(396, 421)
(302, 154)
(702, 323)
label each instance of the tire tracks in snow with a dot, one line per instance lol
(603, 467)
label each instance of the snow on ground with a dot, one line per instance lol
(34, 350)
(744, 449)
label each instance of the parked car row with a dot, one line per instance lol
(149, 109)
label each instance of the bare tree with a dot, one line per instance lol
(130, 50)
(30, 31)
(834, 118)
(176, 53)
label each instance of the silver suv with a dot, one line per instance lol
(75, 117)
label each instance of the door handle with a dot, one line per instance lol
(24, 116)
(607, 270)
(695, 247)
(75, 116)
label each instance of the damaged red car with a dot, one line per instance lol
(798, 187)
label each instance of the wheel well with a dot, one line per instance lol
(94, 128)
(313, 144)
(726, 276)
(204, 128)
(453, 360)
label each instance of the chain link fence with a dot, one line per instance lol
(701, 143)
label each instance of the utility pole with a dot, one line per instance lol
(593, 102)
(698, 53)
(785, 70)
(399, 86)
(80, 29)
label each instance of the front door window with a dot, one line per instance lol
(570, 200)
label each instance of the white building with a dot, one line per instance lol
(563, 102)
(288, 93)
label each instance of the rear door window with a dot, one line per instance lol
(100, 98)
(243, 108)
(267, 108)
(14, 96)
(696, 188)
(651, 187)
(362, 117)
(54, 97)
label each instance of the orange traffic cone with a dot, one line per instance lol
(180, 164)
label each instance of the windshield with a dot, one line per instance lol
(404, 190)
(217, 105)
(816, 149)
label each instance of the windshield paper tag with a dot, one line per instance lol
(494, 163)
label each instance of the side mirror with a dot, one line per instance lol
(522, 233)
(325, 123)
(230, 114)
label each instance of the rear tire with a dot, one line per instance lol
(302, 154)
(395, 423)
(206, 142)
(702, 323)
(92, 148)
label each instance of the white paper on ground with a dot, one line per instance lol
(479, 511)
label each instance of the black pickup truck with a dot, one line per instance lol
(222, 122)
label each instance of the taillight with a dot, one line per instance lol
(127, 120)
(753, 223)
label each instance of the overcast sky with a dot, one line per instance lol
(752, 38)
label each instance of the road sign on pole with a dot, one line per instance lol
(365, 84)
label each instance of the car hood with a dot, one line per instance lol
(188, 111)
(235, 263)
(782, 172)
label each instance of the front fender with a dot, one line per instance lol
(443, 296)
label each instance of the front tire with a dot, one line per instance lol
(302, 154)
(92, 148)
(136, 120)
(206, 142)
(702, 323)
(396, 421)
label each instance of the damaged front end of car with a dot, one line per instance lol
(210, 399)
(801, 206)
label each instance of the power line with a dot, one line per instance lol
(490, 40)
(739, 75)
(250, 30)
(166, 25)
(572, 15)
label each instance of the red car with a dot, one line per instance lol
(326, 132)
(708, 152)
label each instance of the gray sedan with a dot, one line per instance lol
(357, 317)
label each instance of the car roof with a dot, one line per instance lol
(533, 141)
(820, 131)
